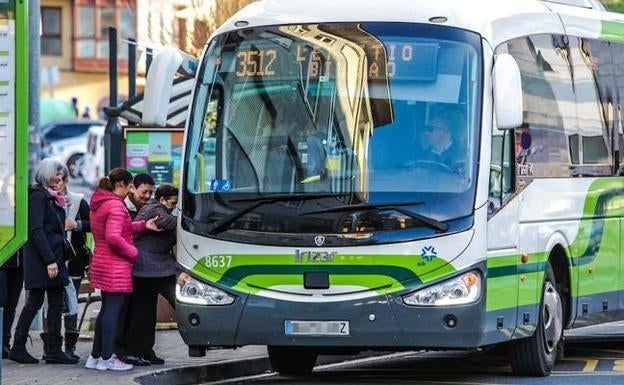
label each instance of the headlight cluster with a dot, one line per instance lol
(191, 291)
(460, 290)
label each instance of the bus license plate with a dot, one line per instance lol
(317, 328)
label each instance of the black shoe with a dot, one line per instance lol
(135, 360)
(5, 352)
(52, 352)
(21, 356)
(153, 358)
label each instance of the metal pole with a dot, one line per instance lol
(113, 67)
(33, 85)
(112, 133)
(132, 68)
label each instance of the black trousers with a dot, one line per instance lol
(34, 301)
(141, 333)
(11, 284)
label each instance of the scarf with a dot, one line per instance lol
(60, 198)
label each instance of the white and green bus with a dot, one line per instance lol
(408, 175)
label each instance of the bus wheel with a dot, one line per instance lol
(292, 360)
(536, 355)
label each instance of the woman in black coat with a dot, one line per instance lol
(44, 268)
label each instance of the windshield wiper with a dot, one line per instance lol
(427, 221)
(221, 224)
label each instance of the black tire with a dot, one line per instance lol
(74, 164)
(292, 360)
(535, 356)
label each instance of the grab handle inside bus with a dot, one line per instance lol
(508, 101)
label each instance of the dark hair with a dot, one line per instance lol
(165, 191)
(143, 178)
(115, 176)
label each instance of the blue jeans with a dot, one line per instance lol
(106, 324)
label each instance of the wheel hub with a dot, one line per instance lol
(552, 317)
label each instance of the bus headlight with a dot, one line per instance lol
(460, 290)
(191, 291)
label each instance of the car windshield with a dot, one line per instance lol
(371, 112)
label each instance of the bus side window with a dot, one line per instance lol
(502, 169)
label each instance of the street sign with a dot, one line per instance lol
(13, 126)
(156, 151)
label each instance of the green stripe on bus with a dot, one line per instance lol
(612, 30)
(382, 273)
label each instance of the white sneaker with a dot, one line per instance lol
(113, 363)
(92, 362)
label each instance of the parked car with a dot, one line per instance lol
(66, 140)
(93, 165)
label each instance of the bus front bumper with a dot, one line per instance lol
(374, 323)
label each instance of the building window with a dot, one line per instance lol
(92, 20)
(51, 22)
(85, 32)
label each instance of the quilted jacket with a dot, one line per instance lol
(115, 253)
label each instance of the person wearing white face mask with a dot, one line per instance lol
(154, 273)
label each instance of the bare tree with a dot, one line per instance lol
(220, 12)
(199, 37)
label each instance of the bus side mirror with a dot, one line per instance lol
(508, 102)
(159, 85)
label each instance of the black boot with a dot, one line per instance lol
(71, 338)
(19, 353)
(52, 352)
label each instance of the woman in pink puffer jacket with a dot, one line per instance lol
(111, 265)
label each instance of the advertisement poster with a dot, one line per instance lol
(156, 153)
(7, 122)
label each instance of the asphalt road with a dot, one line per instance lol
(588, 363)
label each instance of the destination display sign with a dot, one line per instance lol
(380, 60)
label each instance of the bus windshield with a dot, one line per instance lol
(371, 112)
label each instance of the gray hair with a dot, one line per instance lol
(47, 170)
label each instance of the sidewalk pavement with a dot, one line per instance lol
(169, 346)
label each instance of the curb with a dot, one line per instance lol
(211, 372)
(230, 369)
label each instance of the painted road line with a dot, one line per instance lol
(590, 364)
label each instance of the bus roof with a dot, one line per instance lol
(496, 20)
